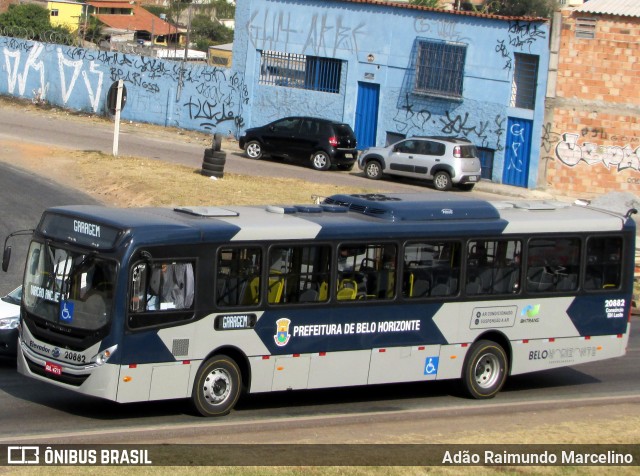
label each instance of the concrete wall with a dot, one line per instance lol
(376, 43)
(169, 93)
(591, 140)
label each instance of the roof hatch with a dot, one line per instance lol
(209, 212)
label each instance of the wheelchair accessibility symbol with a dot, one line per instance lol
(431, 365)
(66, 311)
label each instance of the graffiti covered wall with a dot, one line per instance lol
(591, 142)
(377, 44)
(169, 93)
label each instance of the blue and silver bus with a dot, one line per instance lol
(205, 303)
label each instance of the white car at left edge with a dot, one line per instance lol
(9, 321)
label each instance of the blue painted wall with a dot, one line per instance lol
(376, 43)
(169, 93)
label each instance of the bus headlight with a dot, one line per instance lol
(9, 323)
(104, 356)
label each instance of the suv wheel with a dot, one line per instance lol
(320, 161)
(254, 150)
(373, 170)
(442, 181)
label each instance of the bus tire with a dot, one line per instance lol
(217, 386)
(485, 369)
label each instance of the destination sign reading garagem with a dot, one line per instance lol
(78, 230)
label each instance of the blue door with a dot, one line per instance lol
(367, 114)
(518, 152)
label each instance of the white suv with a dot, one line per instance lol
(446, 161)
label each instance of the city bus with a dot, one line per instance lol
(206, 303)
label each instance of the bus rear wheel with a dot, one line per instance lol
(217, 386)
(485, 369)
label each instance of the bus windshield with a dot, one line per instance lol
(69, 288)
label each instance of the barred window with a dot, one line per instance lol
(523, 87)
(440, 69)
(300, 71)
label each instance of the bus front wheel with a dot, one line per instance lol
(217, 386)
(485, 369)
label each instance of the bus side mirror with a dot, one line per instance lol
(6, 258)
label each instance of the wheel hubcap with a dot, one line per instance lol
(487, 371)
(441, 181)
(217, 387)
(253, 150)
(320, 161)
(373, 170)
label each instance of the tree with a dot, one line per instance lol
(27, 15)
(206, 32)
(31, 21)
(535, 8)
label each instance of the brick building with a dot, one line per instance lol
(591, 138)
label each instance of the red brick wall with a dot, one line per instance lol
(593, 138)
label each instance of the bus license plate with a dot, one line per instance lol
(53, 368)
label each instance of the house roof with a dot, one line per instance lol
(408, 6)
(140, 20)
(629, 8)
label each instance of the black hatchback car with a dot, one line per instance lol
(321, 142)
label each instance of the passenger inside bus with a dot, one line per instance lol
(171, 286)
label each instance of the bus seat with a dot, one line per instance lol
(567, 282)
(348, 283)
(473, 287)
(276, 286)
(504, 280)
(309, 295)
(592, 281)
(323, 293)
(346, 294)
(421, 288)
(441, 289)
(486, 281)
(534, 278)
(251, 292)
(547, 281)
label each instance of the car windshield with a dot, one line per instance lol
(69, 288)
(14, 296)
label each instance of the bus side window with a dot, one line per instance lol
(493, 267)
(171, 286)
(604, 263)
(162, 286)
(553, 265)
(431, 269)
(366, 271)
(238, 277)
(298, 274)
